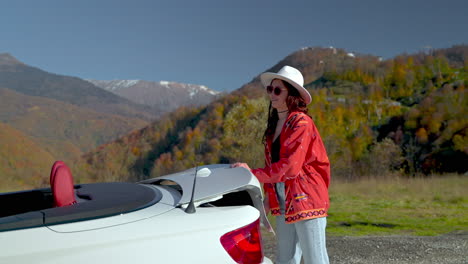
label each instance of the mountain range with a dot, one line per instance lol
(163, 96)
(64, 117)
(32, 81)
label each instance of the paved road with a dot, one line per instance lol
(447, 249)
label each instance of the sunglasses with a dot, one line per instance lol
(276, 90)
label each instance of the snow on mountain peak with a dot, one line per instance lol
(212, 92)
(127, 83)
(118, 86)
(114, 85)
(165, 83)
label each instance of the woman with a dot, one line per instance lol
(296, 175)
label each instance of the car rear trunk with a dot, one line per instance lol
(217, 185)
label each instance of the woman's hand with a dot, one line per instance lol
(240, 164)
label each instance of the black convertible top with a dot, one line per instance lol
(96, 200)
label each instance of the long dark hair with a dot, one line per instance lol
(295, 103)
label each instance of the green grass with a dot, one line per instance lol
(398, 206)
(414, 206)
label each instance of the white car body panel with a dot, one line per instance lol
(111, 245)
(160, 233)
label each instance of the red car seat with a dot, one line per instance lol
(53, 170)
(62, 186)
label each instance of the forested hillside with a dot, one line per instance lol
(405, 115)
(25, 163)
(62, 129)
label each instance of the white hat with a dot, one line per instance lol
(290, 75)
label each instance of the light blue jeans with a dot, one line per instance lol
(304, 238)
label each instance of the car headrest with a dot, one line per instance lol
(62, 186)
(54, 168)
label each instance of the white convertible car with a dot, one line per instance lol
(208, 214)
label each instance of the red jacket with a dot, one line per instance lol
(303, 167)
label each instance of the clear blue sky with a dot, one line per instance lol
(218, 43)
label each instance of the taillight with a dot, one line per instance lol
(244, 245)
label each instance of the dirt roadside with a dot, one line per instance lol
(446, 249)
